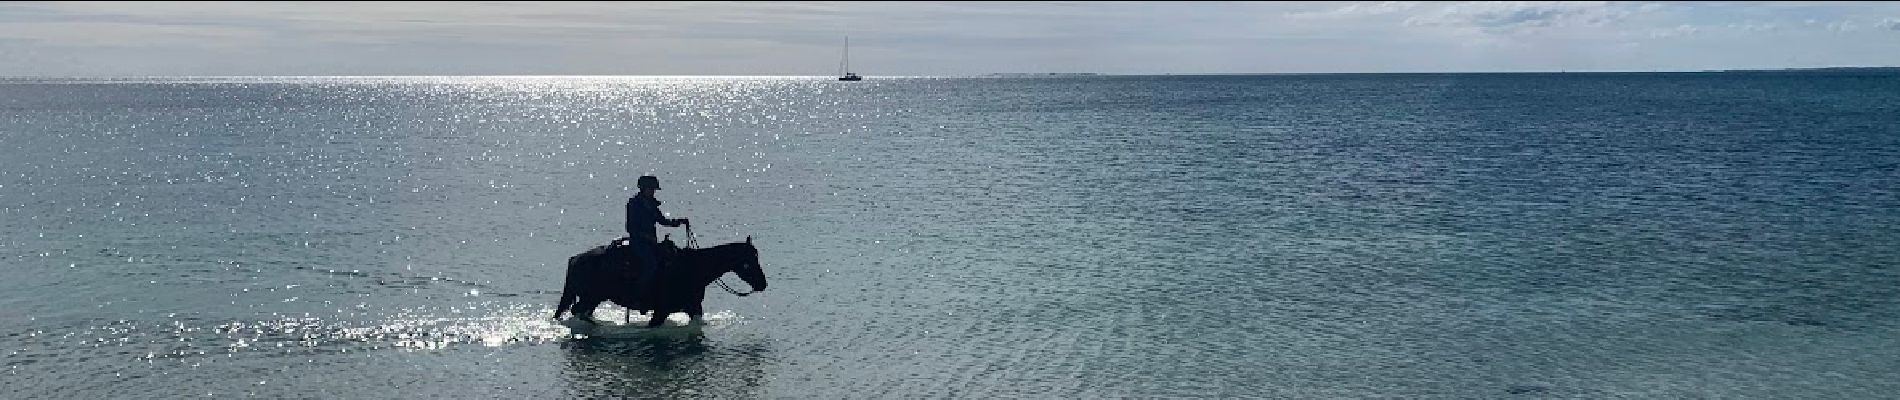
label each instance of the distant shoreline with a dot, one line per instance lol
(1737, 70)
(1814, 69)
(1876, 70)
(1016, 74)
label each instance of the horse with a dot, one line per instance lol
(605, 274)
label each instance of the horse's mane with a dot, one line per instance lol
(720, 249)
(729, 246)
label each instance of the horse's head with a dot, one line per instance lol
(749, 268)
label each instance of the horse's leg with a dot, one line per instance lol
(634, 302)
(659, 317)
(570, 286)
(695, 312)
(567, 301)
(624, 302)
(585, 308)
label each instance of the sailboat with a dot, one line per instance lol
(844, 67)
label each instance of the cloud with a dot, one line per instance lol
(941, 38)
(118, 34)
(1526, 15)
(1753, 26)
(1357, 9)
(1679, 30)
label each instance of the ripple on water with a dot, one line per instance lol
(122, 348)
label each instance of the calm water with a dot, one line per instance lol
(1466, 236)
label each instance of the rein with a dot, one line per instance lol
(722, 285)
(692, 242)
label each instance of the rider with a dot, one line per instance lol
(643, 210)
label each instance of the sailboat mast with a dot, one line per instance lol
(844, 65)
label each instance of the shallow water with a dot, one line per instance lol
(1575, 235)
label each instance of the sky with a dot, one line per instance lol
(947, 38)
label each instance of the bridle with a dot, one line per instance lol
(692, 242)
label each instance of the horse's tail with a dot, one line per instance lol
(570, 288)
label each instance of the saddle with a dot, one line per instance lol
(667, 248)
(665, 245)
(622, 248)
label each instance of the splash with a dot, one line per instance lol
(413, 329)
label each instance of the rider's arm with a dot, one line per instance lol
(665, 221)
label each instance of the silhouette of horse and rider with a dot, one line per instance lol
(641, 273)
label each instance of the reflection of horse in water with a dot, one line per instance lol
(605, 274)
(674, 362)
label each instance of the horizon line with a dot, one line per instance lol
(976, 75)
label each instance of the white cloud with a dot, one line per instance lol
(1358, 9)
(1753, 26)
(1892, 24)
(1523, 15)
(1679, 30)
(119, 34)
(59, 38)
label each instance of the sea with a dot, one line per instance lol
(1561, 235)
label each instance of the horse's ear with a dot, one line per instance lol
(748, 239)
